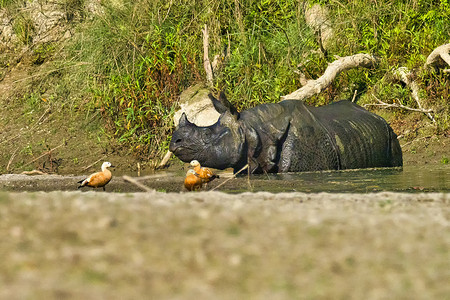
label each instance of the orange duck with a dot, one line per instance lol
(99, 179)
(192, 182)
(204, 173)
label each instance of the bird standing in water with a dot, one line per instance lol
(99, 179)
(204, 173)
(192, 182)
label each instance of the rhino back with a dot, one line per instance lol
(307, 145)
(363, 139)
(290, 138)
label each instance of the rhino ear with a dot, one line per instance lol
(183, 120)
(228, 119)
(217, 104)
(223, 99)
(222, 104)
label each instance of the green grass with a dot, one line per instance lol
(130, 63)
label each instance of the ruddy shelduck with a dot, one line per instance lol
(192, 182)
(99, 179)
(204, 173)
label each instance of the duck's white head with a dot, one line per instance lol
(105, 165)
(190, 172)
(195, 163)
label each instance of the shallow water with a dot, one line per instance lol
(428, 178)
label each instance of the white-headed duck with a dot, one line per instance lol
(99, 179)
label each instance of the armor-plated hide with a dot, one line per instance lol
(289, 136)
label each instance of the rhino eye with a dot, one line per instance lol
(206, 135)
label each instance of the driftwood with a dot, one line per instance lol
(164, 162)
(34, 172)
(404, 75)
(314, 87)
(439, 57)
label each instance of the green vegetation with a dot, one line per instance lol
(444, 160)
(131, 61)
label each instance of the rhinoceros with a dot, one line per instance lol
(289, 136)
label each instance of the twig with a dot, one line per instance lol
(11, 159)
(51, 71)
(232, 177)
(136, 183)
(415, 140)
(154, 176)
(395, 105)
(354, 95)
(30, 129)
(46, 153)
(84, 169)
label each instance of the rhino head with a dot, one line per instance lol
(219, 146)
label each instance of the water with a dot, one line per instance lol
(434, 178)
(428, 178)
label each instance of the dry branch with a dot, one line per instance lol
(136, 183)
(439, 57)
(206, 62)
(44, 154)
(234, 176)
(404, 75)
(314, 87)
(396, 105)
(85, 168)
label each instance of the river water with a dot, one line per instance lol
(428, 178)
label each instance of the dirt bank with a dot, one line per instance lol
(212, 245)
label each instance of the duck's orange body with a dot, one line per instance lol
(204, 173)
(192, 182)
(99, 179)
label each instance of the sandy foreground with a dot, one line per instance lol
(212, 245)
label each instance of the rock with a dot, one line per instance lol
(197, 106)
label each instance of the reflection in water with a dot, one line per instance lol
(409, 179)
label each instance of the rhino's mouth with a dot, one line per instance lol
(186, 151)
(182, 150)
